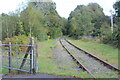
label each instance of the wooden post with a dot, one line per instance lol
(36, 58)
(25, 57)
(32, 56)
(9, 56)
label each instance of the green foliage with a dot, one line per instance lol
(9, 24)
(111, 39)
(41, 19)
(37, 19)
(86, 20)
(55, 32)
(90, 21)
(21, 39)
(41, 35)
(19, 29)
(116, 6)
(32, 19)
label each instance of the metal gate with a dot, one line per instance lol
(20, 57)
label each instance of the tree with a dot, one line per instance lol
(116, 6)
(41, 22)
(33, 20)
(19, 28)
(86, 20)
(115, 36)
(9, 23)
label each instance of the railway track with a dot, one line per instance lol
(90, 63)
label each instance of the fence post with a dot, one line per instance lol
(36, 58)
(9, 56)
(1, 59)
(32, 56)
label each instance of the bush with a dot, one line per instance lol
(55, 32)
(111, 39)
(41, 36)
(21, 39)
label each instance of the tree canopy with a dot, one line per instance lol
(87, 20)
(40, 19)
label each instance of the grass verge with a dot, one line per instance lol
(103, 51)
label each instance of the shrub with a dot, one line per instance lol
(55, 32)
(41, 36)
(86, 39)
(111, 39)
(21, 39)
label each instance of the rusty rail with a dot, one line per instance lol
(78, 62)
(110, 66)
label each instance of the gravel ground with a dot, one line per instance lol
(98, 69)
(64, 61)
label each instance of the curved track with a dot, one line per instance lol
(90, 63)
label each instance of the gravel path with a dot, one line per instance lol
(98, 69)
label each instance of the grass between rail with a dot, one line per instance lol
(47, 63)
(103, 51)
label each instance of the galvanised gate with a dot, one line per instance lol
(20, 57)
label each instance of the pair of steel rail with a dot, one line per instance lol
(91, 55)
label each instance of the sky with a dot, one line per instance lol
(63, 7)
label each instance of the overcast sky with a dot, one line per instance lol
(63, 7)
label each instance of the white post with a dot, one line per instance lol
(111, 21)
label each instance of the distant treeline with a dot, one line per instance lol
(41, 19)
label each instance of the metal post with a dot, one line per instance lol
(36, 58)
(111, 21)
(1, 59)
(32, 56)
(9, 56)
